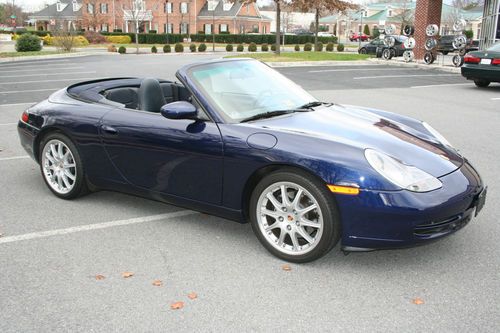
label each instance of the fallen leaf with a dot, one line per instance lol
(417, 301)
(177, 305)
(127, 274)
(157, 283)
(100, 277)
(286, 267)
(192, 295)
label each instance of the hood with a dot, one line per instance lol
(362, 128)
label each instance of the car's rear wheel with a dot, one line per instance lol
(482, 83)
(362, 51)
(294, 216)
(61, 166)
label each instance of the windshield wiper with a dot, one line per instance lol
(271, 114)
(313, 104)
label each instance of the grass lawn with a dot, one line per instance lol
(31, 53)
(303, 56)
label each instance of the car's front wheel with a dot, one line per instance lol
(61, 166)
(294, 216)
(482, 83)
(362, 51)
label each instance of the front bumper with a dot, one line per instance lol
(396, 219)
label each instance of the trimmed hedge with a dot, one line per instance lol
(308, 47)
(264, 48)
(273, 47)
(179, 47)
(221, 38)
(240, 48)
(318, 47)
(252, 47)
(28, 42)
(340, 47)
(297, 47)
(229, 48)
(154, 49)
(121, 39)
(167, 49)
(122, 50)
(202, 47)
(329, 47)
(192, 47)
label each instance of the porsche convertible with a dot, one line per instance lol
(236, 139)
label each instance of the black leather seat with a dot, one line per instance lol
(125, 96)
(151, 95)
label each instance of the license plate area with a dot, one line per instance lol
(481, 200)
(485, 61)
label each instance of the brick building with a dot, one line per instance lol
(173, 16)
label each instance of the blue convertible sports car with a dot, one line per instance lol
(236, 139)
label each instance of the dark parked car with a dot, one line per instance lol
(445, 45)
(237, 139)
(483, 67)
(377, 47)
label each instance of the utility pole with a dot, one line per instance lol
(167, 8)
(213, 29)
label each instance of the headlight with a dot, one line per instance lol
(405, 176)
(436, 134)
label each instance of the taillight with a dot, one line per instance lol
(470, 59)
(495, 62)
(25, 117)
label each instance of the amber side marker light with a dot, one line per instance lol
(344, 189)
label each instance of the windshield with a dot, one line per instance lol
(246, 88)
(495, 47)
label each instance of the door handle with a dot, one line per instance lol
(109, 129)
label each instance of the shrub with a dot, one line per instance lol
(111, 48)
(154, 49)
(28, 42)
(122, 50)
(152, 31)
(318, 47)
(308, 47)
(264, 48)
(469, 34)
(179, 47)
(167, 48)
(202, 47)
(340, 47)
(240, 48)
(95, 37)
(123, 39)
(117, 30)
(252, 47)
(15, 36)
(192, 47)
(329, 47)
(273, 47)
(297, 47)
(47, 40)
(229, 48)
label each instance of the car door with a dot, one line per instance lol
(371, 47)
(178, 157)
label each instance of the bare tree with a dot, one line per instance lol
(405, 13)
(136, 11)
(322, 7)
(93, 18)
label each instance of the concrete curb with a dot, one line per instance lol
(318, 63)
(54, 56)
(416, 65)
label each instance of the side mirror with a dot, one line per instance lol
(179, 110)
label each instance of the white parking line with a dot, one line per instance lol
(47, 74)
(441, 85)
(13, 158)
(35, 63)
(17, 104)
(23, 91)
(55, 80)
(363, 69)
(89, 227)
(40, 69)
(8, 124)
(400, 76)
(495, 99)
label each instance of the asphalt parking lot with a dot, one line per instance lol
(51, 250)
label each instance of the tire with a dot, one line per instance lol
(387, 54)
(362, 51)
(481, 83)
(280, 226)
(444, 52)
(59, 155)
(429, 58)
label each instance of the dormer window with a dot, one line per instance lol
(389, 13)
(227, 5)
(60, 6)
(212, 5)
(75, 6)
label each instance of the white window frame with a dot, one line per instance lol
(223, 28)
(168, 8)
(184, 7)
(207, 28)
(90, 8)
(104, 8)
